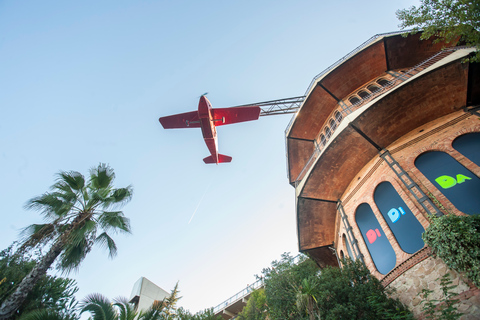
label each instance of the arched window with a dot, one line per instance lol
(328, 132)
(342, 256)
(375, 239)
(353, 100)
(457, 183)
(383, 82)
(469, 146)
(373, 88)
(405, 227)
(333, 124)
(338, 116)
(363, 94)
(323, 141)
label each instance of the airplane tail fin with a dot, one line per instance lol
(221, 159)
(224, 158)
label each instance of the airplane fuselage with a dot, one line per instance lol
(208, 126)
(207, 119)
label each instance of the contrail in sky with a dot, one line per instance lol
(198, 205)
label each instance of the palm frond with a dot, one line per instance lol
(45, 314)
(36, 234)
(81, 232)
(114, 220)
(105, 241)
(119, 197)
(64, 191)
(68, 197)
(99, 307)
(73, 255)
(96, 197)
(155, 312)
(86, 195)
(50, 205)
(101, 177)
(75, 180)
(127, 310)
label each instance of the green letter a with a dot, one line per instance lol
(461, 178)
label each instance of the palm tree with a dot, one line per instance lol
(75, 210)
(100, 308)
(306, 297)
(126, 309)
(45, 314)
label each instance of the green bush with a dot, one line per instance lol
(350, 292)
(256, 306)
(456, 240)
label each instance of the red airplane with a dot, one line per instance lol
(208, 118)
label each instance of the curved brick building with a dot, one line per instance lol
(385, 137)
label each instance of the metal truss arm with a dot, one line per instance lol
(280, 106)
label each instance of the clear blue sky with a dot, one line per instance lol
(83, 82)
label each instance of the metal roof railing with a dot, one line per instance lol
(400, 78)
(343, 59)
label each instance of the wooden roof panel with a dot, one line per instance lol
(338, 165)
(315, 223)
(406, 52)
(312, 116)
(357, 71)
(429, 97)
(299, 152)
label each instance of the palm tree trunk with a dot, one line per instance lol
(310, 308)
(15, 300)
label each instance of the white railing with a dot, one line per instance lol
(239, 295)
(248, 290)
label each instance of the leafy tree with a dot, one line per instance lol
(170, 302)
(206, 314)
(101, 308)
(350, 292)
(456, 240)
(76, 210)
(445, 19)
(53, 293)
(281, 281)
(256, 308)
(46, 314)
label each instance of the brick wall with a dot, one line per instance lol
(412, 272)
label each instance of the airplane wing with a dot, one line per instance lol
(181, 120)
(223, 116)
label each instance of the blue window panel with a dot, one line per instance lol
(456, 182)
(377, 243)
(405, 227)
(469, 146)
